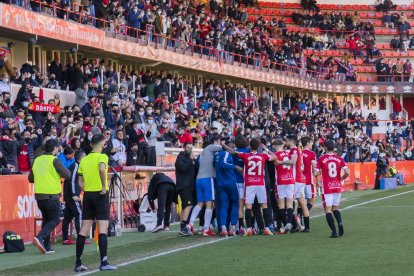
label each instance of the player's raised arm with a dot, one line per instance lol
(272, 156)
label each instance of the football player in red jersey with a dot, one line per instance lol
(285, 185)
(292, 144)
(309, 163)
(330, 166)
(254, 164)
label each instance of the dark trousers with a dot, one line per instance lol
(73, 210)
(142, 151)
(166, 194)
(150, 157)
(50, 209)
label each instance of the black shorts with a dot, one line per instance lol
(187, 198)
(95, 206)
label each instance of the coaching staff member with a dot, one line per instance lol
(46, 174)
(185, 173)
(93, 170)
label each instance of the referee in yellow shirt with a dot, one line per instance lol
(92, 173)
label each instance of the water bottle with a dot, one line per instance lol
(118, 230)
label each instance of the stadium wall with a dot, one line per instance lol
(19, 209)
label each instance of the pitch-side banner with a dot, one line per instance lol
(35, 23)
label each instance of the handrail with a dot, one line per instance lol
(222, 56)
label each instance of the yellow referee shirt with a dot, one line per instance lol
(89, 170)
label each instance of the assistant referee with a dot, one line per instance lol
(92, 173)
(46, 174)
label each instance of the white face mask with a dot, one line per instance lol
(141, 113)
(5, 80)
(25, 104)
(53, 137)
(150, 122)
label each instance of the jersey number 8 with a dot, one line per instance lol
(332, 172)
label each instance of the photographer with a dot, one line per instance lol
(381, 169)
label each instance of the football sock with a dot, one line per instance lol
(338, 216)
(283, 216)
(241, 222)
(103, 248)
(306, 221)
(248, 216)
(207, 219)
(309, 206)
(258, 216)
(331, 222)
(289, 215)
(194, 213)
(266, 216)
(80, 244)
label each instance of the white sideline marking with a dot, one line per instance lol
(223, 239)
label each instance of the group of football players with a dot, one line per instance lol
(250, 187)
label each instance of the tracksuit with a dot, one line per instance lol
(226, 188)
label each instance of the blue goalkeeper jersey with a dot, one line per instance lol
(238, 162)
(225, 170)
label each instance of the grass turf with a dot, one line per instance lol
(377, 240)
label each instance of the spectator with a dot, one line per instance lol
(119, 147)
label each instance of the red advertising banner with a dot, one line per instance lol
(38, 107)
(27, 21)
(18, 207)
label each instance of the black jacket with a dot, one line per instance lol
(157, 180)
(71, 186)
(185, 172)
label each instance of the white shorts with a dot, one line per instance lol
(331, 199)
(285, 191)
(255, 191)
(241, 188)
(300, 190)
(310, 191)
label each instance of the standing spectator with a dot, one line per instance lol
(82, 95)
(396, 107)
(407, 70)
(152, 136)
(5, 66)
(56, 69)
(26, 149)
(4, 83)
(120, 155)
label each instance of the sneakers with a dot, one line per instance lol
(224, 233)
(281, 231)
(50, 251)
(341, 230)
(185, 232)
(80, 268)
(288, 227)
(242, 231)
(267, 232)
(209, 233)
(157, 229)
(166, 228)
(107, 267)
(306, 230)
(39, 244)
(250, 232)
(69, 242)
(334, 235)
(86, 242)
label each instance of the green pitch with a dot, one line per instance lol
(377, 241)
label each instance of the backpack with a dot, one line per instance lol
(12, 242)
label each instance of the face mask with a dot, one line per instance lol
(5, 80)
(53, 137)
(159, 12)
(21, 120)
(64, 121)
(188, 152)
(164, 125)
(150, 122)
(27, 140)
(149, 112)
(25, 104)
(7, 101)
(70, 120)
(141, 113)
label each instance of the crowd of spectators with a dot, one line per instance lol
(146, 107)
(225, 27)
